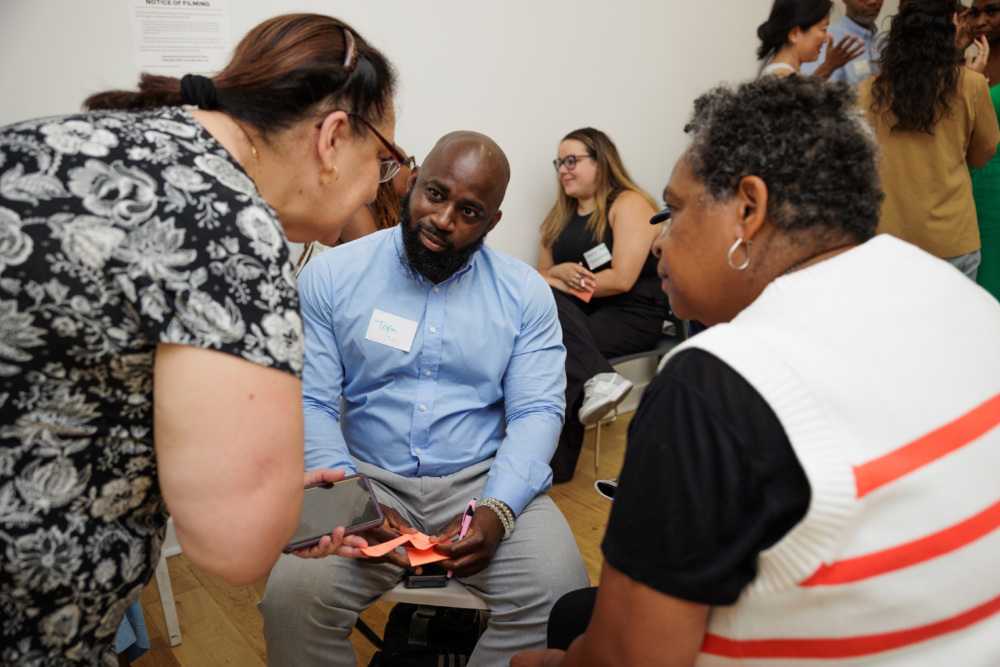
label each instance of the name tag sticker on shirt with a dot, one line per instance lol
(597, 256)
(391, 330)
(861, 67)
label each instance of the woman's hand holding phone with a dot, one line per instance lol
(335, 544)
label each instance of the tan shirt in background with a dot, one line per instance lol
(928, 192)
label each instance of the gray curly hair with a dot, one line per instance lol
(808, 142)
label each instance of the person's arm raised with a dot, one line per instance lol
(229, 446)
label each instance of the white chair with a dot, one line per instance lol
(170, 548)
(455, 594)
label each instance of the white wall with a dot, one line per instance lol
(525, 72)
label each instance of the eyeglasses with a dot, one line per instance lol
(570, 161)
(388, 166)
(662, 216)
(410, 162)
(991, 12)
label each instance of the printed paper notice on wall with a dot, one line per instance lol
(178, 37)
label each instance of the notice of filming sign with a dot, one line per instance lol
(177, 37)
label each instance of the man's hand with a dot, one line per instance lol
(839, 54)
(393, 526)
(335, 544)
(473, 553)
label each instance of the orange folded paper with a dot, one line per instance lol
(421, 553)
(580, 294)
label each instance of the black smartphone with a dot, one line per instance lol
(349, 503)
(434, 576)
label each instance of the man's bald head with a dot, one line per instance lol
(472, 151)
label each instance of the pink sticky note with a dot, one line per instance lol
(421, 541)
(423, 556)
(377, 550)
(581, 295)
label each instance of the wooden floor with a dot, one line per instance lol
(220, 624)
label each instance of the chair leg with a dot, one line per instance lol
(167, 601)
(597, 451)
(368, 633)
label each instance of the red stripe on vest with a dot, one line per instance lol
(929, 448)
(844, 647)
(911, 553)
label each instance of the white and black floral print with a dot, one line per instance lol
(118, 231)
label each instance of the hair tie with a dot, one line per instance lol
(350, 51)
(199, 91)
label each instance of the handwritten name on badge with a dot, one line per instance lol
(597, 256)
(391, 330)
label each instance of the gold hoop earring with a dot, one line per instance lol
(729, 256)
(336, 172)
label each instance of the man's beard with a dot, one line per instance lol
(432, 265)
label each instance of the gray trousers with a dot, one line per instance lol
(311, 605)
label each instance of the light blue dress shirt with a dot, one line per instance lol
(484, 376)
(863, 66)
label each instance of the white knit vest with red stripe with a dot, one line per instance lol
(883, 366)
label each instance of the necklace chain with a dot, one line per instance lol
(253, 150)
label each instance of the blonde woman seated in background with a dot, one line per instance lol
(382, 213)
(596, 242)
(795, 33)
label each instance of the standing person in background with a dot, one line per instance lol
(985, 18)
(596, 246)
(382, 213)
(151, 337)
(858, 23)
(795, 33)
(933, 119)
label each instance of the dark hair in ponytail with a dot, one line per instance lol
(786, 15)
(285, 70)
(919, 74)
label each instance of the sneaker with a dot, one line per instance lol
(607, 487)
(602, 394)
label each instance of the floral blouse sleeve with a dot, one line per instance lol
(154, 220)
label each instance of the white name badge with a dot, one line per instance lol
(391, 330)
(861, 67)
(597, 256)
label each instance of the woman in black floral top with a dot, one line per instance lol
(150, 338)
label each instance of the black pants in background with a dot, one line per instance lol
(593, 333)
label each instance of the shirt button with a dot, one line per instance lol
(419, 451)
(433, 329)
(427, 372)
(423, 408)
(437, 289)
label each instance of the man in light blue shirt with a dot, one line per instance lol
(443, 361)
(858, 21)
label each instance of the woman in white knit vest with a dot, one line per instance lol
(813, 478)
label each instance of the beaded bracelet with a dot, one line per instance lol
(503, 513)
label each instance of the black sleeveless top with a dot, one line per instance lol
(575, 239)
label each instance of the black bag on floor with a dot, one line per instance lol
(419, 636)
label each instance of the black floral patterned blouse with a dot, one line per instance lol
(118, 231)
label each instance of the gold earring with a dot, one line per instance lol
(336, 172)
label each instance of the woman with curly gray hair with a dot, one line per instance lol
(788, 493)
